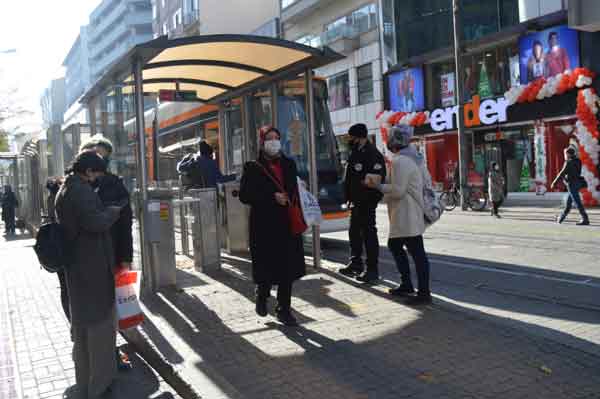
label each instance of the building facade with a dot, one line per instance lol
(116, 26)
(78, 76)
(180, 18)
(505, 43)
(352, 28)
(53, 103)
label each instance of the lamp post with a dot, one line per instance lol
(462, 138)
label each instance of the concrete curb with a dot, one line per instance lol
(142, 344)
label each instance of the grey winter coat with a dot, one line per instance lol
(87, 223)
(496, 186)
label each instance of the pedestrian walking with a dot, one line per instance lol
(496, 188)
(52, 185)
(112, 191)
(9, 205)
(269, 186)
(201, 169)
(364, 159)
(404, 198)
(571, 175)
(90, 279)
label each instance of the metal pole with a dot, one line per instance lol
(462, 138)
(142, 171)
(312, 148)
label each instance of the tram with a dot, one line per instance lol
(27, 173)
(232, 130)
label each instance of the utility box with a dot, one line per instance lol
(160, 235)
(235, 220)
(205, 229)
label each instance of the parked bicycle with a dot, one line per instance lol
(476, 198)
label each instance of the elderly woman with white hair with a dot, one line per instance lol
(404, 197)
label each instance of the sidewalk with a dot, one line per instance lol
(352, 343)
(35, 344)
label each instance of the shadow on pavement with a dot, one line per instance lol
(425, 353)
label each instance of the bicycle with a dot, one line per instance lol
(476, 198)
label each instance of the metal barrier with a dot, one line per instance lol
(235, 219)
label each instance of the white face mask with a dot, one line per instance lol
(272, 147)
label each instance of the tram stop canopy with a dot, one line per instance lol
(216, 67)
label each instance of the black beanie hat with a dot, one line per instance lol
(359, 130)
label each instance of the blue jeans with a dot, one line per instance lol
(416, 249)
(573, 196)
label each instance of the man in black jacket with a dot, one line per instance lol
(364, 159)
(571, 173)
(112, 192)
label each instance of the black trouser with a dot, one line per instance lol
(64, 294)
(416, 249)
(284, 294)
(363, 231)
(574, 197)
(495, 206)
(10, 224)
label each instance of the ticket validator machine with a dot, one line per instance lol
(160, 237)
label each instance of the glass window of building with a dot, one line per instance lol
(356, 23)
(423, 26)
(310, 40)
(287, 3)
(491, 73)
(365, 83)
(339, 91)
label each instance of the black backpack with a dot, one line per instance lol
(51, 247)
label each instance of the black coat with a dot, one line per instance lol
(87, 223)
(112, 191)
(9, 203)
(277, 254)
(363, 161)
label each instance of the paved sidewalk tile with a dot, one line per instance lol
(358, 343)
(35, 351)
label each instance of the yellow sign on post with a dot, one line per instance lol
(164, 211)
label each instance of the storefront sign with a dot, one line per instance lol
(477, 112)
(447, 89)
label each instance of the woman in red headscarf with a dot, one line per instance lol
(269, 186)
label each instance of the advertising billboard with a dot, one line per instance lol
(407, 90)
(447, 89)
(548, 53)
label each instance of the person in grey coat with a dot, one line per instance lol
(496, 188)
(89, 275)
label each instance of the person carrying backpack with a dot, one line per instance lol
(201, 170)
(406, 208)
(86, 223)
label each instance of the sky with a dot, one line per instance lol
(42, 32)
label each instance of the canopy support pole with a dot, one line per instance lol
(312, 148)
(142, 179)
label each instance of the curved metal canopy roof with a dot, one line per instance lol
(216, 67)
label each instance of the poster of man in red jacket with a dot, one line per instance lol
(557, 59)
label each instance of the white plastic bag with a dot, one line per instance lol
(129, 311)
(310, 206)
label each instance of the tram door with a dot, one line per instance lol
(234, 140)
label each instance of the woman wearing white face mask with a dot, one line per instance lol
(269, 186)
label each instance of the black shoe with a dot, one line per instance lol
(261, 306)
(584, 223)
(401, 291)
(560, 219)
(352, 270)
(286, 317)
(123, 362)
(368, 277)
(498, 216)
(419, 300)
